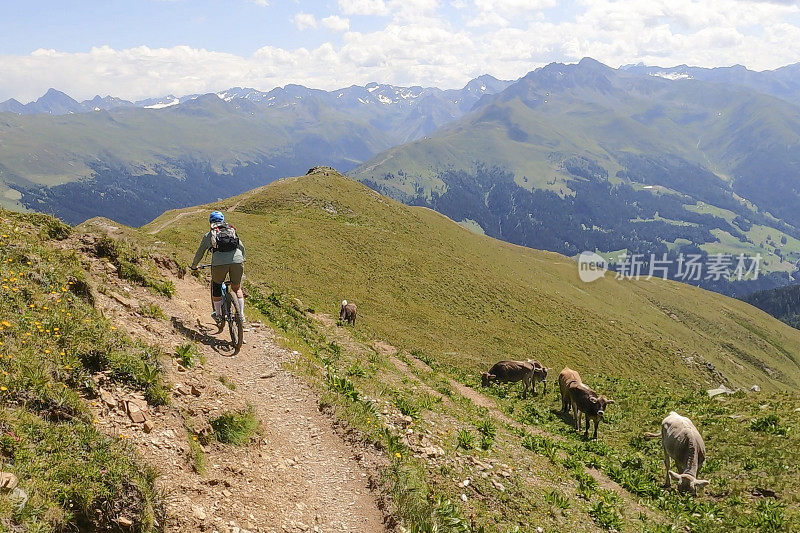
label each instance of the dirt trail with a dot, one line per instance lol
(173, 220)
(299, 476)
(179, 216)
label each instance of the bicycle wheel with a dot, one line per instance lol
(235, 325)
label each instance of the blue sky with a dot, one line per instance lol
(141, 48)
(239, 27)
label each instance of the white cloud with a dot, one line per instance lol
(487, 19)
(513, 6)
(304, 21)
(414, 44)
(336, 23)
(262, 3)
(363, 7)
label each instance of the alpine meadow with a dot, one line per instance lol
(400, 266)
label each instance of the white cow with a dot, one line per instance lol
(683, 444)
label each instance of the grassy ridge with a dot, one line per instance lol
(52, 341)
(423, 282)
(459, 302)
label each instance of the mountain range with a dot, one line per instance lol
(406, 113)
(586, 157)
(107, 156)
(571, 157)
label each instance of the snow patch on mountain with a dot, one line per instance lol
(671, 75)
(162, 104)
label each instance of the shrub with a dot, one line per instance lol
(188, 355)
(465, 439)
(556, 498)
(407, 407)
(768, 517)
(342, 385)
(770, 424)
(605, 515)
(235, 427)
(152, 311)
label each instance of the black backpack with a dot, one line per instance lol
(223, 238)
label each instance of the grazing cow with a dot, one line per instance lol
(565, 378)
(529, 372)
(348, 313)
(587, 402)
(683, 444)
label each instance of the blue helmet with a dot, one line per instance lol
(216, 217)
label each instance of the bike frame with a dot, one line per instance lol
(231, 319)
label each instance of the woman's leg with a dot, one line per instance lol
(218, 275)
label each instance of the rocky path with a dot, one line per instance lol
(299, 475)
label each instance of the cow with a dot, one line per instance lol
(587, 402)
(529, 372)
(348, 312)
(683, 444)
(565, 378)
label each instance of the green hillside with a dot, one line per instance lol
(593, 158)
(57, 351)
(423, 282)
(454, 302)
(139, 162)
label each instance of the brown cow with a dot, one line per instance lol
(565, 378)
(589, 403)
(348, 312)
(529, 372)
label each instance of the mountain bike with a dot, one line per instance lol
(231, 315)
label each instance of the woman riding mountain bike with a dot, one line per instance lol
(227, 260)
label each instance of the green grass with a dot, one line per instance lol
(195, 454)
(227, 382)
(235, 427)
(151, 310)
(131, 264)
(52, 341)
